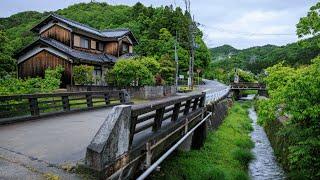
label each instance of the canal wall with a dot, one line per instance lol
(279, 143)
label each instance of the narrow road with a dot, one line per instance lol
(30, 149)
(47, 142)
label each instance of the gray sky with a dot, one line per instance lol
(240, 23)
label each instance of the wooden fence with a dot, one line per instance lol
(30, 106)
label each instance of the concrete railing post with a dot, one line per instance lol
(112, 139)
(124, 97)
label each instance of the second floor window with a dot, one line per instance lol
(125, 48)
(84, 43)
(100, 46)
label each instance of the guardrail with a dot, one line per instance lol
(215, 96)
(31, 106)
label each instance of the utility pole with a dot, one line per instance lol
(192, 45)
(176, 59)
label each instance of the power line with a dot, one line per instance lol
(246, 33)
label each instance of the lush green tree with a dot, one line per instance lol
(83, 74)
(167, 69)
(294, 93)
(130, 72)
(7, 64)
(310, 25)
(150, 63)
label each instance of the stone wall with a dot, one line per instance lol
(144, 92)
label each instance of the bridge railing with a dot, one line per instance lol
(153, 114)
(30, 106)
(137, 134)
(247, 85)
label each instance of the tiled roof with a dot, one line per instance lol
(108, 33)
(79, 54)
(115, 32)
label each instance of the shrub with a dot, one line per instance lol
(295, 93)
(130, 72)
(83, 74)
(10, 85)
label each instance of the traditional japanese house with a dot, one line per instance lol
(68, 43)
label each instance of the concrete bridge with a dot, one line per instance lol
(125, 140)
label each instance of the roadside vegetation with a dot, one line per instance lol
(225, 155)
(291, 114)
(10, 85)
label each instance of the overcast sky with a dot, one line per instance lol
(240, 23)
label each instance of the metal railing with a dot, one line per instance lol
(215, 96)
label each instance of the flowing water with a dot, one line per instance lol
(265, 166)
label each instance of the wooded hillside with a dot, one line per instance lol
(255, 59)
(155, 29)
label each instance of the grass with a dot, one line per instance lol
(247, 92)
(225, 155)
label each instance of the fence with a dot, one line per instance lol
(122, 141)
(30, 106)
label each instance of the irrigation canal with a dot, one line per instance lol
(264, 166)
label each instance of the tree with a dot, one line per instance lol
(83, 74)
(310, 25)
(130, 72)
(7, 64)
(167, 69)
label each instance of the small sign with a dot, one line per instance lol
(181, 76)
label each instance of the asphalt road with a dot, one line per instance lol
(27, 149)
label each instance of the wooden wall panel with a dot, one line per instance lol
(111, 48)
(58, 33)
(37, 64)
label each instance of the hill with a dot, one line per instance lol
(145, 22)
(255, 59)
(223, 52)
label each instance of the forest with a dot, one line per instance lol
(145, 22)
(255, 59)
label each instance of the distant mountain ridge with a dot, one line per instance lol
(257, 58)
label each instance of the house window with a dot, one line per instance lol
(93, 44)
(76, 41)
(100, 46)
(84, 43)
(125, 48)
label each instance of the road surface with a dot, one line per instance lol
(30, 149)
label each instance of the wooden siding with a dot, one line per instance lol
(36, 65)
(112, 48)
(58, 33)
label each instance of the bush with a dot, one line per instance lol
(10, 85)
(295, 93)
(130, 72)
(83, 74)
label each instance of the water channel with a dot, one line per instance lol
(264, 166)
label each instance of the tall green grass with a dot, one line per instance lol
(225, 155)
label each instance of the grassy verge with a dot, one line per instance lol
(225, 155)
(247, 92)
